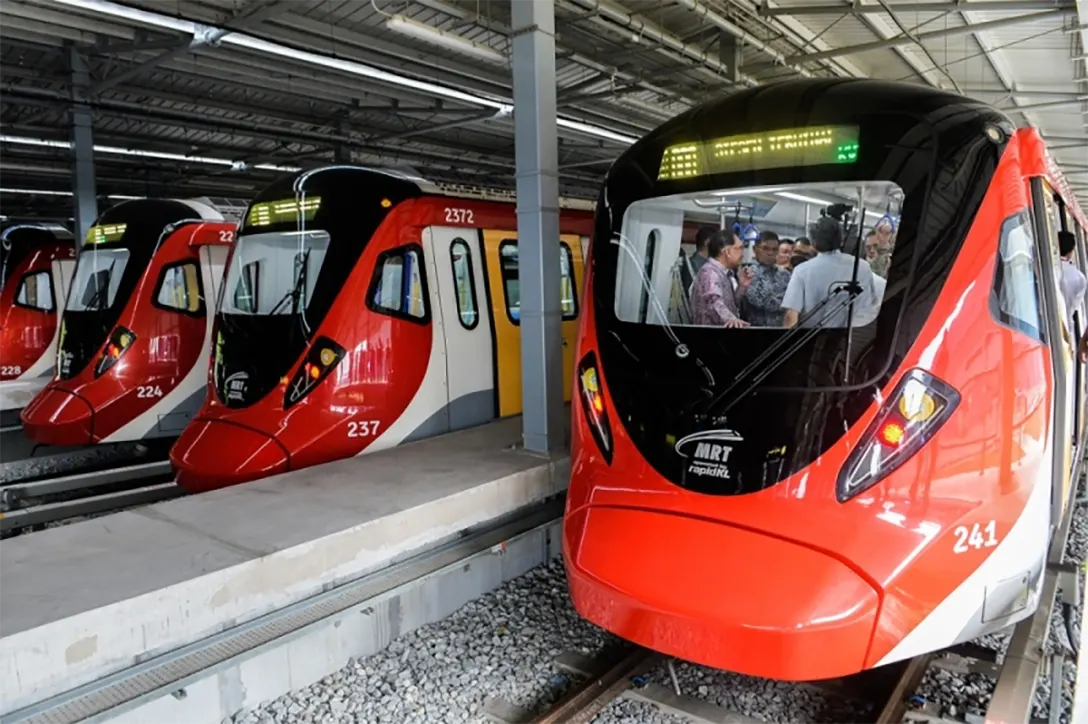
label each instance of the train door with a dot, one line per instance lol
(1059, 339)
(500, 252)
(469, 365)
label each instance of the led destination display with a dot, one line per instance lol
(811, 146)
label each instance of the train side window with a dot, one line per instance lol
(511, 287)
(508, 264)
(1016, 291)
(568, 301)
(463, 283)
(179, 289)
(36, 292)
(399, 286)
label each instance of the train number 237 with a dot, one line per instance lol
(364, 428)
(460, 216)
(975, 537)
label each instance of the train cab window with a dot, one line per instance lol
(274, 273)
(399, 286)
(1016, 293)
(841, 286)
(245, 289)
(464, 283)
(35, 292)
(179, 289)
(508, 263)
(97, 278)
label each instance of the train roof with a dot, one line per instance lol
(59, 232)
(434, 188)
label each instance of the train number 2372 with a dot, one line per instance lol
(460, 216)
(363, 428)
(975, 537)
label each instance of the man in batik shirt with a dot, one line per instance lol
(761, 302)
(717, 290)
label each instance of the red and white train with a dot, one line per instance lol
(136, 330)
(37, 264)
(882, 478)
(361, 309)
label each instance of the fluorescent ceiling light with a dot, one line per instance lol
(27, 141)
(803, 199)
(443, 39)
(50, 192)
(350, 67)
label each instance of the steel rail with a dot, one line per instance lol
(591, 696)
(11, 495)
(56, 512)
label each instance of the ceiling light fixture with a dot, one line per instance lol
(443, 39)
(51, 192)
(351, 67)
(164, 155)
(803, 199)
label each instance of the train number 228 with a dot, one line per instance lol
(364, 428)
(460, 216)
(975, 537)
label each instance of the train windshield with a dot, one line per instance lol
(116, 252)
(97, 279)
(296, 246)
(807, 255)
(274, 273)
(780, 347)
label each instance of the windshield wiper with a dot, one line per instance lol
(295, 292)
(96, 298)
(798, 334)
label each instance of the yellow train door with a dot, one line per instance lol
(500, 253)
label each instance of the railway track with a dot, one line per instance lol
(621, 672)
(28, 505)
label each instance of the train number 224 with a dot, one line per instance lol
(975, 537)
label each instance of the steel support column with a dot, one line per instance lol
(537, 175)
(84, 196)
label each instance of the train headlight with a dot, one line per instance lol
(324, 355)
(592, 395)
(907, 420)
(119, 342)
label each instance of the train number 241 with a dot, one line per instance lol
(363, 428)
(975, 537)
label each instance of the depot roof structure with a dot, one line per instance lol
(215, 98)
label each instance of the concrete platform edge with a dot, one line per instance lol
(45, 661)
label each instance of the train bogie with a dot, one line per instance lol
(136, 330)
(869, 464)
(361, 312)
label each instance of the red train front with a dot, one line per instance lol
(136, 328)
(36, 266)
(362, 309)
(867, 465)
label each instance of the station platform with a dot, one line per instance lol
(86, 601)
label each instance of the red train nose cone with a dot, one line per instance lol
(211, 454)
(721, 596)
(58, 417)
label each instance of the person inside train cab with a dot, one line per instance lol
(717, 289)
(884, 237)
(828, 274)
(761, 300)
(802, 252)
(702, 238)
(1073, 281)
(785, 253)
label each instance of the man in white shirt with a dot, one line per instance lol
(819, 278)
(1073, 281)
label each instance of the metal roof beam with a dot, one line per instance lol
(259, 11)
(921, 37)
(859, 8)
